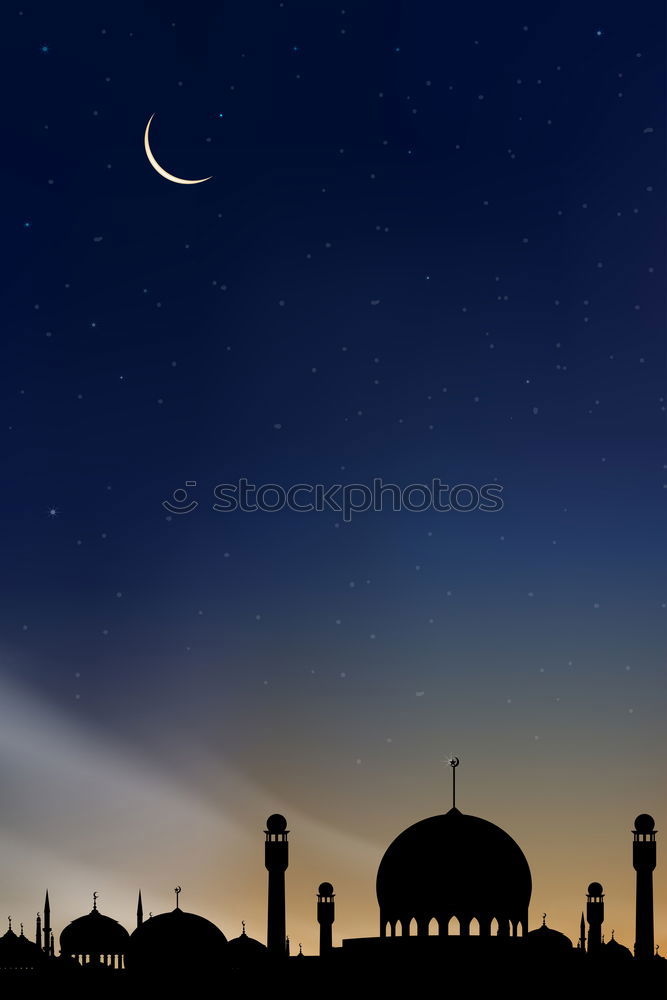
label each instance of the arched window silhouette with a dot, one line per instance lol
(453, 927)
(412, 929)
(474, 927)
(494, 927)
(433, 927)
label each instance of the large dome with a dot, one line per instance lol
(176, 942)
(94, 934)
(454, 865)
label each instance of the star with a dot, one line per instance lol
(53, 512)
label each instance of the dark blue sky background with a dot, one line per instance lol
(433, 245)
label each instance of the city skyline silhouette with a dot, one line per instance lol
(451, 888)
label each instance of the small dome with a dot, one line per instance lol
(644, 823)
(326, 889)
(276, 823)
(545, 938)
(177, 942)
(595, 889)
(17, 952)
(244, 950)
(94, 934)
(614, 950)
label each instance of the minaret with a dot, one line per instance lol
(140, 911)
(325, 915)
(46, 928)
(38, 932)
(276, 861)
(595, 917)
(582, 934)
(643, 860)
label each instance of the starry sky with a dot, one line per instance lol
(432, 246)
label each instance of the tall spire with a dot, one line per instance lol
(38, 931)
(582, 933)
(46, 925)
(140, 911)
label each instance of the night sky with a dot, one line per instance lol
(432, 246)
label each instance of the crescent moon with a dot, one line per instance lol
(156, 166)
(454, 761)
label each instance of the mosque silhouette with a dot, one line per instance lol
(453, 892)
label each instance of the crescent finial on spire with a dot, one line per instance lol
(453, 762)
